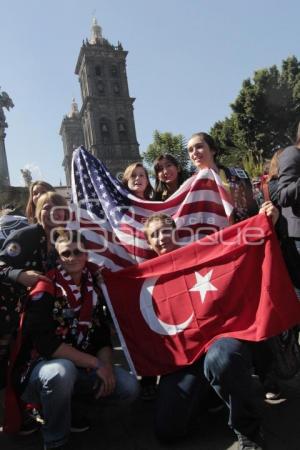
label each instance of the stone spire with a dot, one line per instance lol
(74, 109)
(96, 35)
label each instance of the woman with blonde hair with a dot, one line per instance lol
(25, 256)
(36, 189)
(136, 180)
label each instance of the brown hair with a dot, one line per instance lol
(30, 207)
(69, 236)
(160, 187)
(53, 197)
(165, 218)
(274, 165)
(128, 173)
(208, 139)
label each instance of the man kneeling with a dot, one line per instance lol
(66, 352)
(227, 367)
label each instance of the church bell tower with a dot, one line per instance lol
(106, 115)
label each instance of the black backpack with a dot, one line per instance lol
(241, 192)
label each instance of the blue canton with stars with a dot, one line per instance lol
(96, 190)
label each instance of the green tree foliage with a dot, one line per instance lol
(254, 166)
(265, 114)
(168, 143)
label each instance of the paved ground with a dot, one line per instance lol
(116, 429)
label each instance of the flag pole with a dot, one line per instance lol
(121, 337)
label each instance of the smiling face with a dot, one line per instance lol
(51, 216)
(201, 155)
(37, 191)
(72, 258)
(138, 182)
(167, 172)
(161, 236)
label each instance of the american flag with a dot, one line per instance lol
(111, 218)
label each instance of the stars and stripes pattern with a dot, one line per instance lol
(112, 219)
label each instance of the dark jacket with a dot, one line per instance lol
(24, 249)
(49, 322)
(289, 200)
(289, 189)
(241, 192)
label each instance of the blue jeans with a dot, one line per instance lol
(180, 395)
(56, 382)
(228, 368)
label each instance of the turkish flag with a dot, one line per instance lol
(233, 283)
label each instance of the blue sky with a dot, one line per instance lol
(187, 60)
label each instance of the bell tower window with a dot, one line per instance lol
(100, 87)
(114, 70)
(122, 130)
(105, 131)
(116, 89)
(98, 70)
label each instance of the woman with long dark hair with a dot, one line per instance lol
(168, 176)
(203, 153)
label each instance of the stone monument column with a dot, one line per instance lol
(5, 102)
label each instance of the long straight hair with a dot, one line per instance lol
(30, 207)
(160, 188)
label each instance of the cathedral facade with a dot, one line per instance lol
(105, 123)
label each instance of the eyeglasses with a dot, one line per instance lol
(68, 253)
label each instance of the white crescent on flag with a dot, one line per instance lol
(157, 325)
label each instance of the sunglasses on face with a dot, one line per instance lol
(68, 253)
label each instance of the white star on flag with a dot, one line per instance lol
(203, 285)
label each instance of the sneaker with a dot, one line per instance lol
(272, 390)
(252, 442)
(29, 426)
(80, 424)
(273, 394)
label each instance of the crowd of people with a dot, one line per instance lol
(53, 327)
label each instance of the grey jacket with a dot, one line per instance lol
(289, 189)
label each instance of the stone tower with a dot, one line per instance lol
(72, 137)
(106, 117)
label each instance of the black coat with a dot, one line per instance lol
(289, 200)
(289, 189)
(24, 249)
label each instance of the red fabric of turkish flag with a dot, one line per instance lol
(233, 283)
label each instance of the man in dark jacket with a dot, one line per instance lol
(66, 350)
